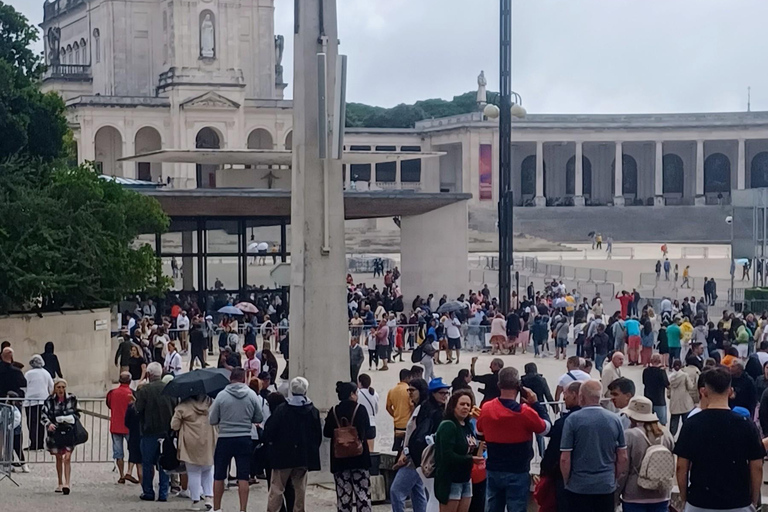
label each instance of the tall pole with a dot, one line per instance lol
(318, 318)
(505, 154)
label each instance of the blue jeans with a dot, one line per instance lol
(662, 506)
(661, 413)
(150, 454)
(407, 483)
(599, 360)
(508, 490)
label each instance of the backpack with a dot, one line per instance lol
(418, 354)
(428, 461)
(657, 469)
(346, 441)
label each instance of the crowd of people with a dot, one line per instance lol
(596, 437)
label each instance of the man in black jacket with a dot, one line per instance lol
(744, 389)
(550, 462)
(11, 378)
(293, 435)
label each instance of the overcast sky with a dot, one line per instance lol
(585, 56)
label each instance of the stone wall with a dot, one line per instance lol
(86, 355)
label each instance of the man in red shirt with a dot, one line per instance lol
(507, 426)
(625, 298)
(118, 400)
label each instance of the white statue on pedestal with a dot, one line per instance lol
(207, 38)
(481, 94)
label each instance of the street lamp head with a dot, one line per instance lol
(491, 111)
(517, 111)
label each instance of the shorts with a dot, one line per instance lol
(459, 491)
(118, 452)
(634, 342)
(228, 448)
(561, 342)
(454, 343)
(371, 433)
(262, 253)
(382, 351)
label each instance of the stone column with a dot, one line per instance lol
(578, 196)
(658, 183)
(129, 169)
(540, 199)
(618, 176)
(426, 271)
(700, 199)
(188, 263)
(318, 319)
(741, 166)
(398, 174)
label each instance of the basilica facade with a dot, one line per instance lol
(140, 76)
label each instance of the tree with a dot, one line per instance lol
(66, 235)
(31, 123)
(405, 116)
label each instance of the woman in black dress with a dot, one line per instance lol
(134, 444)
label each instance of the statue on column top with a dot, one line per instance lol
(481, 94)
(207, 38)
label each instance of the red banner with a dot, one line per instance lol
(486, 172)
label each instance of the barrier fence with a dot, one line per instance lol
(94, 416)
(6, 441)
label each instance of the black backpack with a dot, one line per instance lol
(418, 354)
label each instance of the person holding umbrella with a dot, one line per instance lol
(197, 440)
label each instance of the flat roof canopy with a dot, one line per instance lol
(265, 156)
(223, 202)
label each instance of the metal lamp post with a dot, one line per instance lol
(505, 111)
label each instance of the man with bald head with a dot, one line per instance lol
(11, 378)
(593, 453)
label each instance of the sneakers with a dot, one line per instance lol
(183, 494)
(208, 503)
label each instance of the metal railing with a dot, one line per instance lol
(94, 416)
(6, 441)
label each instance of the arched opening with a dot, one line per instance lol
(758, 173)
(260, 139)
(586, 176)
(207, 138)
(628, 176)
(76, 51)
(673, 171)
(528, 176)
(148, 139)
(289, 141)
(108, 146)
(717, 174)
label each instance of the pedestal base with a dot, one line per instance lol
(659, 201)
(540, 201)
(618, 201)
(578, 200)
(700, 201)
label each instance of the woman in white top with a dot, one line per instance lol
(368, 398)
(172, 363)
(39, 387)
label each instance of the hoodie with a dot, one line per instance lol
(235, 410)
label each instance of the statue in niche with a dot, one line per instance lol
(481, 93)
(279, 47)
(54, 43)
(207, 37)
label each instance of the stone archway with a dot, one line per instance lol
(628, 176)
(108, 146)
(289, 141)
(260, 139)
(673, 171)
(717, 174)
(758, 173)
(207, 138)
(528, 176)
(147, 140)
(586, 176)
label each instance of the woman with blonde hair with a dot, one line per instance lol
(197, 442)
(60, 413)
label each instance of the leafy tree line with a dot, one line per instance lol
(65, 233)
(405, 116)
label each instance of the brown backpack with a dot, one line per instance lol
(346, 441)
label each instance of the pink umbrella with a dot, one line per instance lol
(246, 307)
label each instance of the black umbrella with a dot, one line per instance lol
(451, 307)
(591, 234)
(207, 381)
